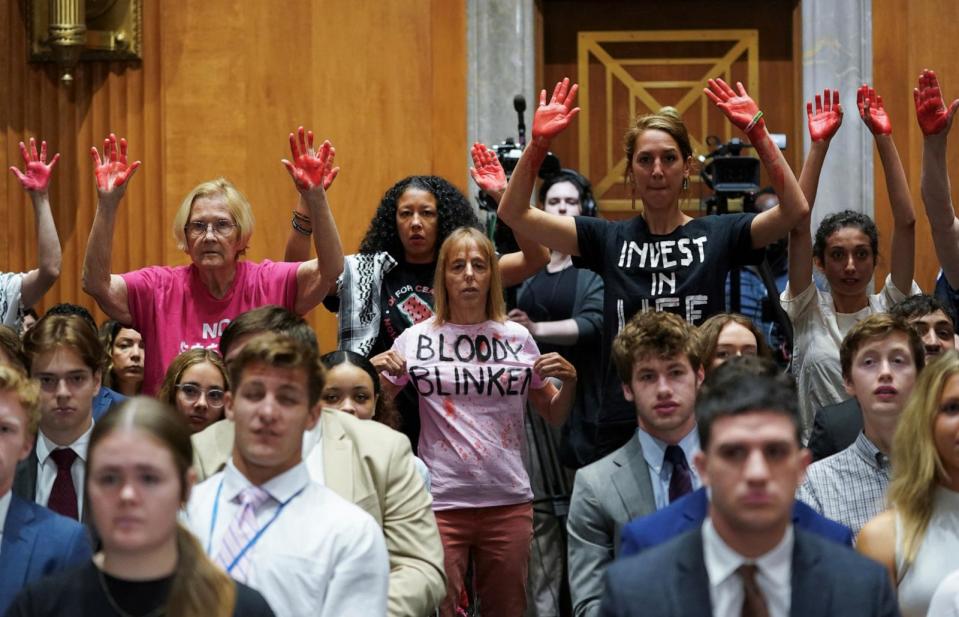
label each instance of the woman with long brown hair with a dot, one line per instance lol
(138, 478)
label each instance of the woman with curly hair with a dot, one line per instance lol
(917, 539)
(388, 286)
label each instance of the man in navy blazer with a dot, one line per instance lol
(748, 558)
(689, 512)
(35, 542)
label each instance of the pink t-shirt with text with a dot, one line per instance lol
(473, 382)
(174, 311)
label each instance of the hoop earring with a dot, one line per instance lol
(685, 183)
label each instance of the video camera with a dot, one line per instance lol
(730, 174)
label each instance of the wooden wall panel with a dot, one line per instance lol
(908, 37)
(221, 85)
(778, 95)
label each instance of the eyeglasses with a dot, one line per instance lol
(221, 228)
(49, 382)
(191, 394)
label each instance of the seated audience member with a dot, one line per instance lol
(314, 552)
(352, 385)
(66, 359)
(124, 347)
(364, 462)
(748, 558)
(34, 542)
(837, 426)
(21, 290)
(138, 479)
(182, 307)
(11, 350)
(690, 511)
(730, 335)
(105, 397)
(880, 357)
(195, 385)
(657, 359)
(918, 538)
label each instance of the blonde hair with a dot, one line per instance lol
(495, 304)
(917, 468)
(236, 202)
(199, 588)
(183, 361)
(27, 392)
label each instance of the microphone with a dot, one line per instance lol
(519, 104)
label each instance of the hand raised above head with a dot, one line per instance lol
(872, 111)
(931, 112)
(112, 171)
(737, 105)
(486, 171)
(310, 169)
(550, 119)
(36, 173)
(825, 120)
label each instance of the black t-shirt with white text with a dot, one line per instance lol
(683, 272)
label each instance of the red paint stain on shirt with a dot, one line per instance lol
(449, 407)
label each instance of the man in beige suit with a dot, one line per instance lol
(364, 462)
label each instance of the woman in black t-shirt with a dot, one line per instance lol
(661, 259)
(137, 479)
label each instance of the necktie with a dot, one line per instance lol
(240, 532)
(63, 496)
(680, 482)
(754, 604)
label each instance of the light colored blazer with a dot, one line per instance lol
(607, 494)
(372, 466)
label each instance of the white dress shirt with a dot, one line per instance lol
(322, 556)
(4, 508)
(774, 574)
(47, 468)
(660, 472)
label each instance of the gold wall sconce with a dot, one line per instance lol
(69, 31)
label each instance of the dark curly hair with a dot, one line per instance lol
(840, 220)
(452, 208)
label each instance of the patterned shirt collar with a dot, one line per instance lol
(867, 450)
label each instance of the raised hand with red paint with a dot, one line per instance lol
(552, 118)
(486, 171)
(112, 171)
(738, 106)
(931, 111)
(872, 112)
(36, 173)
(310, 168)
(826, 119)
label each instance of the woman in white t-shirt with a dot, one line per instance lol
(473, 371)
(845, 250)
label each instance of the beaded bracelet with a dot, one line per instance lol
(754, 121)
(300, 229)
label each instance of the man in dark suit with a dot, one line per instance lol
(66, 359)
(34, 542)
(690, 512)
(748, 558)
(837, 426)
(657, 359)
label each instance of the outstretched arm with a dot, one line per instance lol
(823, 123)
(491, 178)
(312, 171)
(112, 174)
(935, 120)
(35, 179)
(552, 230)
(873, 114)
(742, 111)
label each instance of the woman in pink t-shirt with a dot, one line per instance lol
(474, 371)
(186, 307)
